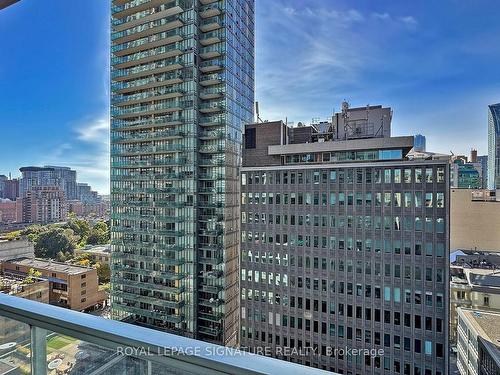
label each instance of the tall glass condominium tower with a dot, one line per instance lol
(494, 146)
(182, 83)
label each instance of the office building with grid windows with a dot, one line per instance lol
(182, 82)
(345, 245)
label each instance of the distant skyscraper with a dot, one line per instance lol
(483, 159)
(3, 180)
(86, 194)
(182, 82)
(62, 177)
(494, 146)
(420, 143)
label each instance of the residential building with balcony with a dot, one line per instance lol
(345, 244)
(182, 83)
(44, 204)
(48, 176)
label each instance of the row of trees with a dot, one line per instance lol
(58, 241)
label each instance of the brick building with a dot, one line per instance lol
(71, 286)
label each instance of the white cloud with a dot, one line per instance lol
(381, 16)
(88, 153)
(338, 16)
(95, 131)
(409, 21)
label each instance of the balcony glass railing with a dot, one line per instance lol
(44, 338)
(142, 55)
(208, 7)
(138, 83)
(215, 49)
(134, 150)
(216, 20)
(157, 121)
(149, 95)
(148, 163)
(163, 105)
(143, 14)
(148, 68)
(148, 176)
(147, 26)
(147, 40)
(147, 135)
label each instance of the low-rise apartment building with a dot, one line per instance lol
(478, 349)
(71, 286)
(475, 284)
(97, 253)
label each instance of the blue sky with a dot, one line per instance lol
(436, 63)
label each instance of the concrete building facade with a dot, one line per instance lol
(345, 244)
(182, 81)
(473, 214)
(44, 204)
(14, 249)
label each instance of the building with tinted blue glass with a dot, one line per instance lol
(182, 83)
(493, 146)
(420, 143)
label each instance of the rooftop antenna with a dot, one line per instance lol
(257, 112)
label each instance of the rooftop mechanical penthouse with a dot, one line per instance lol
(345, 245)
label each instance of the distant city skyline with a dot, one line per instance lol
(439, 75)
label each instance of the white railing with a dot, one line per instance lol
(45, 339)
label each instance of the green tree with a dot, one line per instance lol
(61, 257)
(103, 272)
(32, 276)
(99, 234)
(33, 232)
(80, 228)
(50, 242)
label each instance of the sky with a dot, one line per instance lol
(435, 63)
